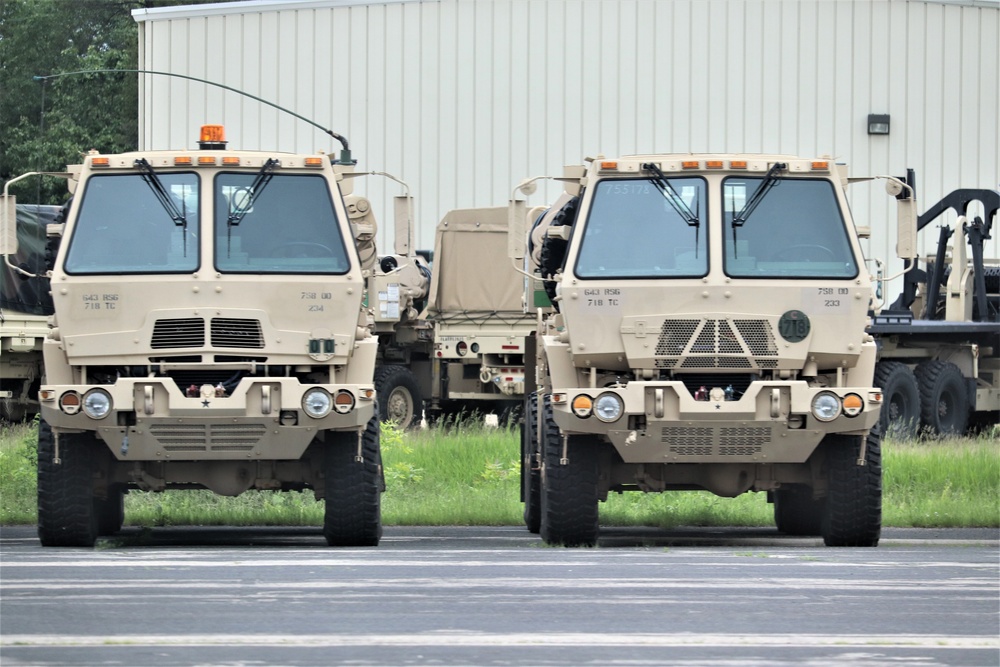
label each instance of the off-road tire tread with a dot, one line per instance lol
(796, 512)
(569, 493)
(932, 378)
(353, 503)
(110, 511)
(893, 377)
(531, 477)
(553, 254)
(853, 516)
(66, 507)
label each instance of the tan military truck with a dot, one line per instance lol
(208, 333)
(706, 332)
(451, 333)
(25, 307)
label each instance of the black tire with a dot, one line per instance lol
(853, 508)
(569, 495)
(796, 512)
(66, 507)
(531, 474)
(110, 511)
(900, 415)
(352, 489)
(944, 401)
(398, 396)
(553, 254)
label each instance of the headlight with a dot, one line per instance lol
(97, 403)
(317, 403)
(826, 406)
(608, 407)
(344, 402)
(583, 406)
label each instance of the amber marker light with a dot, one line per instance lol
(610, 164)
(182, 161)
(690, 164)
(713, 164)
(206, 161)
(737, 164)
(583, 406)
(314, 162)
(100, 162)
(231, 161)
(853, 405)
(820, 165)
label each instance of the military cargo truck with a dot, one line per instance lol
(706, 332)
(25, 307)
(208, 333)
(939, 341)
(450, 334)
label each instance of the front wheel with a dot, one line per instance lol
(569, 491)
(531, 474)
(398, 396)
(67, 515)
(352, 488)
(853, 513)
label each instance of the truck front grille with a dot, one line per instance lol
(208, 437)
(181, 332)
(723, 343)
(722, 441)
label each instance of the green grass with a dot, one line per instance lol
(466, 474)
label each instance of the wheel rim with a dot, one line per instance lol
(946, 409)
(399, 406)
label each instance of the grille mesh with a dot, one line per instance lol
(182, 332)
(231, 332)
(722, 343)
(715, 440)
(208, 438)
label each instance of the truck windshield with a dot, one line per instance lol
(633, 231)
(796, 231)
(123, 228)
(289, 227)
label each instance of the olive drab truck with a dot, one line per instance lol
(208, 333)
(701, 326)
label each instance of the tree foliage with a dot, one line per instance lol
(46, 125)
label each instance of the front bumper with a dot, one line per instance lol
(151, 419)
(662, 423)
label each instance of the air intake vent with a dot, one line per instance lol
(185, 332)
(229, 332)
(733, 344)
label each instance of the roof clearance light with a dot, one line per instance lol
(206, 161)
(609, 165)
(231, 161)
(820, 165)
(713, 164)
(182, 161)
(100, 162)
(314, 162)
(737, 164)
(690, 164)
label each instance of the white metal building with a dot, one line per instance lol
(464, 98)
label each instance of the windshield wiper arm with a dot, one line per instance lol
(659, 180)
(770, 180)
(156, 185)
(259, 183)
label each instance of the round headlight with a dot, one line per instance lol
(97, 404)
(317, 403)
(608, 407)
(826, 406)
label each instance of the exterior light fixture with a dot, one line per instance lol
(878, 123)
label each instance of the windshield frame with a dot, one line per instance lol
(700, 252)
(83, 237)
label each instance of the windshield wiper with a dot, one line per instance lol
(659, 180)
(150, 177)
(770, 180)
(259, 183)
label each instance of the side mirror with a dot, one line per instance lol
(8, 225)
(906, 218)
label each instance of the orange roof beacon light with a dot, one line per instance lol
(212, 138)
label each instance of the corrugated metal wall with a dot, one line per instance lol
(464, 98)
